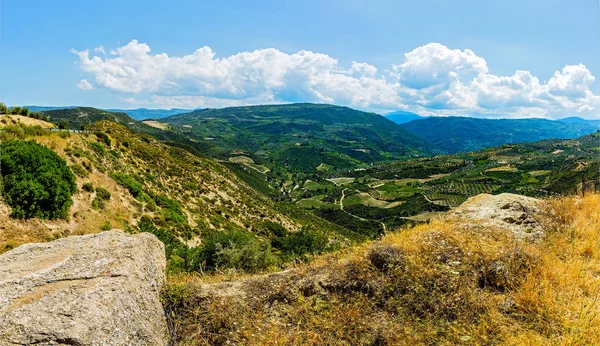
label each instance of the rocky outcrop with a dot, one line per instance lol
(100, 289)
(517, 213)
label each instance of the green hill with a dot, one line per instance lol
(301, 136)
(133, 181)
(462, 134)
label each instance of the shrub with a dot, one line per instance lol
(129, 183)
(3, 108)
(79, 171)
(102, 193)
(233, 249)
(297, 244)
(37, 182)
(88, 187)
(24, 111)
(15, 110)
(103, 137)
(97, 147)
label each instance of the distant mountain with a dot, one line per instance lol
(78, 116)
(301, 136)
(462, 134)
(144, 113)
(46, 108)
(578, 120)
(402, 117)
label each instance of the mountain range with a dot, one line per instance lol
(463, 134)
(301, 136)
(305, 136)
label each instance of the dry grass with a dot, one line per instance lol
(439, 284)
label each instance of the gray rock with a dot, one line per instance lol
(516, 213)
(99, 289)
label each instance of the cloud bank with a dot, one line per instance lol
(431, 79)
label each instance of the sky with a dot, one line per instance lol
(512, 58)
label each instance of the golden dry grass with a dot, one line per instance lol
(439, 284)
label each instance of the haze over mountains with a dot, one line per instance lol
(462, 134)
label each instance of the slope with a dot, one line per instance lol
(462, 134)
(124, 178)
(301, 136)
(450, 282)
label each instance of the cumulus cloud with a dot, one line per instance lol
(84, 85)
(429, 79)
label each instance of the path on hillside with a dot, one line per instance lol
(358, 217)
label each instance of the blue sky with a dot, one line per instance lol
(430, 56)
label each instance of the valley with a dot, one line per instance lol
(314, 158)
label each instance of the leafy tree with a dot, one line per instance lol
(37, 182)
(63, 125)
(15, 110)
(24, 111)
(3, 108)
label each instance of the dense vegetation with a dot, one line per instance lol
(36, 181)
(301, 136)
(463, 134)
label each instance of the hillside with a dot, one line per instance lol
(402, 117)
(462, 134)
(77, 117)
(125, 179)
(301, 137)
(451, 282)
(578, 120)
(387, 196)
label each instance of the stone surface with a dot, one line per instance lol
(517, 213)
(99, 289)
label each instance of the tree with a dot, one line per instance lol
(23, 111)
(63, 125)
(3, 108)
(37, 182)
(15, 110)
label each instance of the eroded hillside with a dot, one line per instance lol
(123, 177)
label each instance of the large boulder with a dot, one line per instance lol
(100, 289)
(516, 213)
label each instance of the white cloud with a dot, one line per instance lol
(84, 85)
(435, 63)
(430, 79)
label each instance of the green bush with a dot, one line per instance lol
(135, 188)
(15, 110)
(88, 187)
(102, 193)
(102, 196)
(298, 244)
(97, 147)
(103, 137)
(24, 111)
(37, 182)
(79, 171)
(3, 108)
(232, 249)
